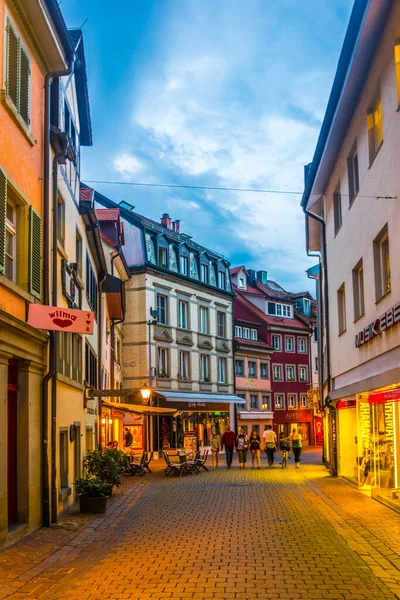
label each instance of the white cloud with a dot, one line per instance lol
(127, 165)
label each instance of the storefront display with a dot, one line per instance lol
(287, 420)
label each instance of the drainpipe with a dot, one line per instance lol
(100, 350)
(46, 289)
(113, 323)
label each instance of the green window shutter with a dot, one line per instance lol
(12, 84)
(35, 253)
(25, 79)
(3, 213)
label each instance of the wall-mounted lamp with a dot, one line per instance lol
(145, 390)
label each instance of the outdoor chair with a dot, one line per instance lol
(138, 467)
(174, 467)
(201, 462)
(149, 458)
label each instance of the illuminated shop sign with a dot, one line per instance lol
(383, 397)
(386, 321)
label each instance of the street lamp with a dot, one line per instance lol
(145, 391)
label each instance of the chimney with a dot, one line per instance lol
(166, 220)
(252, 276)
(262, 277)
(177, 226)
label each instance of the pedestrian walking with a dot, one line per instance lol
(215, 448)
(296, 438)
(255, 448)
(229, 442)
(242, 443)
(269, 437)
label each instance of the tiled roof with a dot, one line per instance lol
(248, 290)
(86, 194)
(108, 241)
(237, 270)
(107, 214)
(271, 320)
(260, 343)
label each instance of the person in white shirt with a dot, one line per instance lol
(269, 438)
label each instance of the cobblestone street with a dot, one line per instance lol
(264, 534)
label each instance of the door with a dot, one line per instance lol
(12, 444)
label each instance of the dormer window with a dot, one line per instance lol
(162, 257)
(307, 306)
(241, 283)
(184, 265)
(221, 280)
(204, 273)
(280, 310)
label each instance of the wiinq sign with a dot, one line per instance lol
(386, 321)
(56, 318)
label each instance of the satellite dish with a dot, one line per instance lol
(154, 313)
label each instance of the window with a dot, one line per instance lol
(303, 374)
(290, 373)
(302, 345)
(307, 306)
(264, 370)
(303, 401)
(382, 264)
(277, 372)
(243, 396)
(238, 331)
(204, 367)
(162, 362)
(289, 343)
(91, 285)
(292, 400)
(375, 128)
(279, 401)
(183, 365)
(204, 271)
(221, 280)
(162, 303)
(162, 257)
(397, 63)
(254, 401)
(203, 319)
(277, 342)
(341, 300)
(184, 265)
(61, 221)
(337, 208)
(78, 252)
(242, 283)
(252, 369)
(64, 459)
(10, 270)
(221, 370)
(358, 290)
(239, 368)
(253, 334)
(266, 402)
(90, 366)
(316, 364)
(18, 74)
(221, 318)
(182, 314)
(282, 310)
(352, 173)
(246, 333)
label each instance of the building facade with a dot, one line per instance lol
(287, 332)
(351, 196)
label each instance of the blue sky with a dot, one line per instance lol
(224, 93)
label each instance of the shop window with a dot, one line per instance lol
(204, 367)
(162, 304)
(239, 368)
(279, 401)
(382, 264)
(182, 314)
(203, 314)
(358, 290)
(290, 373)
(162, 362)
(252, 369)
(64, 459)
(264, 370)
(341, 304)
(221, 370)
(183, 365)
(254, 401)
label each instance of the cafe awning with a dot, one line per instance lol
(198, 397)
(140, 409)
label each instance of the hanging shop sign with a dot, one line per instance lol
(56, 318)
(386, 321)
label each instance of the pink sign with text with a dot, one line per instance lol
(56, 318)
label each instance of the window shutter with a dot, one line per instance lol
(12, 65)
(3, 213)
(24, 93)
(35, 254)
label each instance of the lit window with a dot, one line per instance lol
(375, 128)
(266, 402)
(397, 62)
(279, 401)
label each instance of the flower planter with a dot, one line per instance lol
(92, 506)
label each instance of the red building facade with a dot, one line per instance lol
(284, 326)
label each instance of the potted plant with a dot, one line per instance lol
(107, 466)
(93, 495)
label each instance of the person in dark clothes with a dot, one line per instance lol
(229, 442)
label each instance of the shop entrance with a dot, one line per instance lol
(287, 428)
(12, 446)
(202, 424)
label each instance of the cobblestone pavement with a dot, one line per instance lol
(266, 534)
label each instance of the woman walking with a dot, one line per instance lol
(242, 443)
(215, 448)
(255, 448)
(295, 438)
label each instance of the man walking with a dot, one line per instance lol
(229, 441)
(269, 437)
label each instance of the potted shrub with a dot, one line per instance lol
(107, 466)
(93, 495)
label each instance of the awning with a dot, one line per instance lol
(198, 397)
(141, 409)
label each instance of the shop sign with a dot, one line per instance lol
(292, 416)
(386, 321)
(383, 397)
(56, 318)
(197, 404)
(91, 407)
(348, 403)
